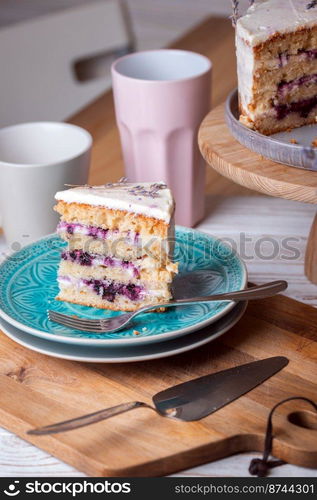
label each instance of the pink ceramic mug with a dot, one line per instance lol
(161, 97)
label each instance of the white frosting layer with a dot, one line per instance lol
(266, 17)
(149, 199)
(245, 69)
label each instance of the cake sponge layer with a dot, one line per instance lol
(127, 272)
(106, 218)
(268, 124)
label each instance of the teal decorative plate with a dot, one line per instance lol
(28, 288)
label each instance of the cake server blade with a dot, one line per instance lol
(202, 396)
(189, 401)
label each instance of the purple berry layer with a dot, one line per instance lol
(303, 107)
(107, 289)
(93, 231)
(307, 55)
(285, 87)
(86, 259)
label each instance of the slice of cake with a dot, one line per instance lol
(120, 245)
(276, 43)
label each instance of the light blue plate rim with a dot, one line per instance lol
(221, 308)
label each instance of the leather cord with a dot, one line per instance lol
(261, 466)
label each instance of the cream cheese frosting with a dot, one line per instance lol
(266, 17)
(152, 199)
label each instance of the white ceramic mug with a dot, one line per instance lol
(161, 97)
(36, 160)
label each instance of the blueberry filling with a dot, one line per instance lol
(72, 227)
(284, 57)
(108, 290)
(285, 87)
(303, 107)
(78, 256)
(86, 259)
(93, 231)
(310, 54)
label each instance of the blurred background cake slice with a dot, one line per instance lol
(276, 44)
(120, 245)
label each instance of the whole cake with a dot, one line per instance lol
(120, 245)
(276, 44)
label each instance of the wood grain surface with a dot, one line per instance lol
(37, 390)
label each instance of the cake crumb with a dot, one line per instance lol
(314, 142)
(293, 141)
(136, 332)
(246, 121)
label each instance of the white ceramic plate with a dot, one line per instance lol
(125, 354)
(276, 147)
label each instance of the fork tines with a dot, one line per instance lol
(83, 324)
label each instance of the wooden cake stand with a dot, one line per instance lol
(234, 161)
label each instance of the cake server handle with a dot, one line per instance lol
(91, 418)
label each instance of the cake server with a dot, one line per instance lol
(189, 401)
(115, 323)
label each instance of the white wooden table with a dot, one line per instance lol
(267, 223)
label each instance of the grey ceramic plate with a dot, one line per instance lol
(125, 354)
(276, 147)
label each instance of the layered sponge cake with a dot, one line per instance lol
(120, 245)
(276, 43)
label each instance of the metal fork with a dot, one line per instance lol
(118, 322)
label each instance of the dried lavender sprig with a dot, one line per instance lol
(78, 185)
(311, 4)
(235, 12)
(152, 192)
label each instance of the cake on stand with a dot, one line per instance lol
(234, 161)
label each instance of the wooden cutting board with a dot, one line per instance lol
(36, 390)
